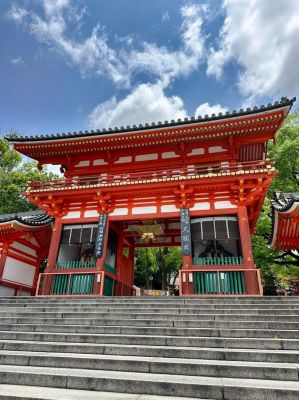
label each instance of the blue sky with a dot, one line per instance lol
(84, 64)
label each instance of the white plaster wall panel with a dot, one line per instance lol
(72, 214)
(169, 208)
(120, 211)
(24, 293)
(146, 157)
(91, 213)
(216, 149)
(197, 152)
(201, 206)
(122, 160)
(144, 210)
(27, 258)
(224, 204)
(24, 248)
(99, 162)
(6, 291)
(169, 154)
(18, 271)
(84, 163)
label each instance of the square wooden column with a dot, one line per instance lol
(3, 256)
(245, 237)
(252, 277)
(54, 246)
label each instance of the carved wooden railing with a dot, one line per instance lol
(155, 175)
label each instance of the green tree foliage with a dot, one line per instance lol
(14, 175)
(145, 267)
(161, 264)
(8, 159)
(279, 267)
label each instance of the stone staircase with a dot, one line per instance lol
(147, 348)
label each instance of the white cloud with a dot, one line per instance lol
(165, 16)
(95, 55)
(262, 37)
(146, 103)
(207, 109)
(17, 14)
(17, 61)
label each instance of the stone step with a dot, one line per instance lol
(163, 309)
(234, 343)
(167, 305)
(155, 316)
(143, 305)
(205, 348)
(263, 355)
(272, 325)
(156, 365)
(20, 392)
(209, 298)
(151, 384)
(156, 331)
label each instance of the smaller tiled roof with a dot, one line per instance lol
(285, 225)
(284, 201)
(207, 118)
(30, 218)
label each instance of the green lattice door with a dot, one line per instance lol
(219, 282)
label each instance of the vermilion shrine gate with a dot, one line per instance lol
(198, 183)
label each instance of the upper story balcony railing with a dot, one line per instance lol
(152, 176)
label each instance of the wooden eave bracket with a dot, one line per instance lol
(105, 205)
(184, 197)
(54, 207)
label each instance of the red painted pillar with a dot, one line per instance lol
(252, 279)
(53, 253)
(54, 246)
(3, 256)
(245, 237)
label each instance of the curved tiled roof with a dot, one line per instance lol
(284, 102)
(282, 203)
(30, 218)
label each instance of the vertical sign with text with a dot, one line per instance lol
(99, 245)
(185, 232)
